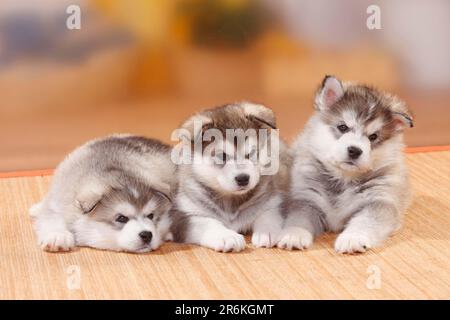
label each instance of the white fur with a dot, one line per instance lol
(295, 238)
(366, 218)
(219, 226)
(212, 234)
(80, 181)
(267, 228)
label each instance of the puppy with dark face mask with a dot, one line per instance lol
(348, 173)
(232, 180)
(111, 193)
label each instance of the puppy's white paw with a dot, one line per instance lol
(35, 209)
(295, 238)
(57, 241)
(226, 241)
(261, 239)
(352, 242)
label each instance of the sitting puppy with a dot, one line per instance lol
(111, 193)
(229, 183)
(348, 171)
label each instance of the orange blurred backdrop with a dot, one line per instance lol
(142, 66)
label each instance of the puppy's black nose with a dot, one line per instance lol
(146, 236)
(354, 152)
(242, 179)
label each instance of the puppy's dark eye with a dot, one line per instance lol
(250, 154)
(373, 137)
(122, 219)
(150, 216)
(223, 157)
(342, 128)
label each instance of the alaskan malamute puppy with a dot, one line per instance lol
(348, 172)
(233, 186)
(111, 193)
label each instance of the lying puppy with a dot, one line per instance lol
(229, 184)
(348, 170)
(111, 193)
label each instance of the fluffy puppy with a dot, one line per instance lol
(231, 180)
(348, 172)
(111, 193)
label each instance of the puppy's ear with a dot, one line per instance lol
(402, 116)
(88, 204)
(259, 113)
(164, 191)
(402, 120)
(90, 195)
(193, 127)
(329, 92)
(164, 195)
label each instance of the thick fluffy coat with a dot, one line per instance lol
(348, 173)
(223, 193)
(111, 193)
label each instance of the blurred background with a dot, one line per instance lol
(142, 66)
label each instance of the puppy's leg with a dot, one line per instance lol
(303, 222)
(211, 233)
(52, 231)
(267, 228)
(368, 228)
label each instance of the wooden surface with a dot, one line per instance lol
(415, 263)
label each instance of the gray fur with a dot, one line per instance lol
(213, 217)
(365, 200)
(100, 181)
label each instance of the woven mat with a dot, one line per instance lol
(414, 263)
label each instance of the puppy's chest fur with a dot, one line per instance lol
(237, 212)
(339, 198)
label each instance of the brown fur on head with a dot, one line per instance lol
(231, 146)
(126, 215)
(366, 102)
(242, 115)
(106, 209)
(358, 123)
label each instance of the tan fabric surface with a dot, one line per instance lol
(414, 263)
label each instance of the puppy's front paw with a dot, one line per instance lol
(57, 241)
(295, 238)
(264, 239)
(226, 241)
(348, 242)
